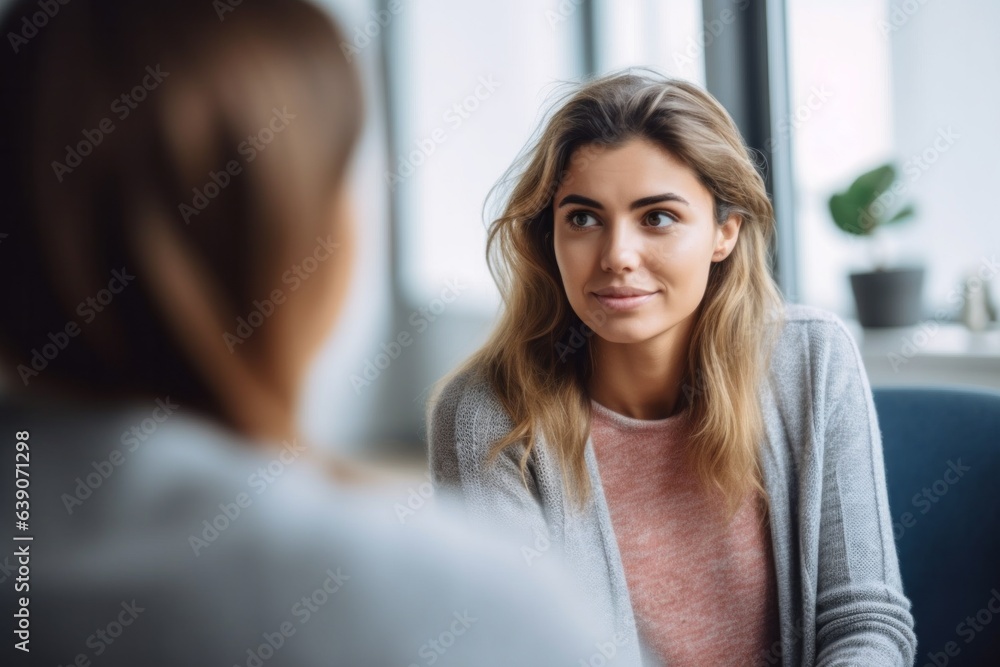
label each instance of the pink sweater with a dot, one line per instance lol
(703, 594)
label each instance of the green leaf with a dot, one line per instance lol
(902, 214)
(867, 187)
(854, 209)
(845, 214)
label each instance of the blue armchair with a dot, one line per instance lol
(942, 464)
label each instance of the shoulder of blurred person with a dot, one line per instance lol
(161, 539)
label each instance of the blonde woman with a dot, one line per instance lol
(705, 457)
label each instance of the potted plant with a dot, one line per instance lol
(885, 297)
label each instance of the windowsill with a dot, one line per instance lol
(930, 353)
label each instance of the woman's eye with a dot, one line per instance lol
(660, 219)
(582, 219)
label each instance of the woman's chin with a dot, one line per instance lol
(625, 335)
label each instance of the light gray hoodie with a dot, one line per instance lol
(161, 539)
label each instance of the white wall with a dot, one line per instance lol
(944, 60)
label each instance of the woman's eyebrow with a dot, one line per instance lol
(638, 203)
(656, 199)
(580, 199)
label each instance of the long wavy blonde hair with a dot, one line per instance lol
(525, 361)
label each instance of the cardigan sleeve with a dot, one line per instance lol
(862, 614)
(463, 423)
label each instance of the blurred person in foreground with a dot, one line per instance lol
(177, 246)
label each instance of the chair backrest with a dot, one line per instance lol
(942, 462)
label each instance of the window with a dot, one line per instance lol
(469, 81)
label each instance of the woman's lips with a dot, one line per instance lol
(623, 303)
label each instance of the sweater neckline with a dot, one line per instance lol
(634, 424)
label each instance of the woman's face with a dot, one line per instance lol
(635, 235)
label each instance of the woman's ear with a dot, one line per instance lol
(725, 237)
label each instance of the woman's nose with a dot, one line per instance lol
(622, 245)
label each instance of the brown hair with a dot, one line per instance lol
(196, 151)
(543, 388)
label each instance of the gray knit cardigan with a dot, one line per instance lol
(840, 595)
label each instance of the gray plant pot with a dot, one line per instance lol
(890, 298)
